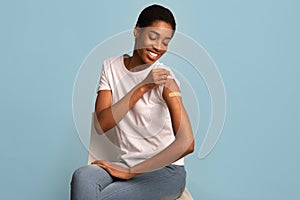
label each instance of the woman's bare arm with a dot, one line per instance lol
(184, 142)
(108, 115)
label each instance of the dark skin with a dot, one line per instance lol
(150, 44)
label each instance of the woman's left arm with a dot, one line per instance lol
(181, 146)
(184, 139)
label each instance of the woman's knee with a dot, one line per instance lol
(91, 174)
(83, 173)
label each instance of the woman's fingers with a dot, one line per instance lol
(160, 75)
(161, 71)
(103, 164)
(157, 77)
(97, 162)
(100, 163)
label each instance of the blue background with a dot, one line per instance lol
(255, 45)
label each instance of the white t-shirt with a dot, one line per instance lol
(146, 129)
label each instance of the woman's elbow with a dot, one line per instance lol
(99, 129)
(190, 148)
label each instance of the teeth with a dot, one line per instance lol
(153, 54)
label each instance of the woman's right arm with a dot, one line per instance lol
(108, 115)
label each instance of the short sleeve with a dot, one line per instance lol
(104, 81)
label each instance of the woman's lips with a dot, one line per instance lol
(152, 55)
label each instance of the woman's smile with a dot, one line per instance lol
(153, 55)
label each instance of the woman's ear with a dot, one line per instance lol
(136, 31)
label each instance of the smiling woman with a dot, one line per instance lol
(145, 120)
(152, 42)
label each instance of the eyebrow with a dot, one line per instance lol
(159, 34)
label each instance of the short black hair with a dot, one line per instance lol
(154, 13)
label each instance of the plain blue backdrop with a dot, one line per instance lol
(255, 45)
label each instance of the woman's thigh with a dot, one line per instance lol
(167, 183)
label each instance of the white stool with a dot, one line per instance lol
(185, 195)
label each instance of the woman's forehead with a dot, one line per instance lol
(160, 29)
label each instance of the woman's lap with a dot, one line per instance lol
(165, 183)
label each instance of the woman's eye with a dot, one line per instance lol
(166, 42)
(151, 37)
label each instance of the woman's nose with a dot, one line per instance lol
(158, 46)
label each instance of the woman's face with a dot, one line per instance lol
(152, 42)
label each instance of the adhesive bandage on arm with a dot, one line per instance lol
(174, 94)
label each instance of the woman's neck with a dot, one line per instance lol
(134, 63)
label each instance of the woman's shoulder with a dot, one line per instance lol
(112, 60)
(172, 75)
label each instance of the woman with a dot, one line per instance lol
(140, 102)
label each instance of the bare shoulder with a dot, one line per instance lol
(171, 89)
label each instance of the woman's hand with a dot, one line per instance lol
(115, 170)
(156, 77)
(107, 115)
